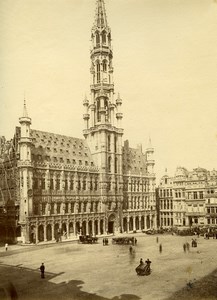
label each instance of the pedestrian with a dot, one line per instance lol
(103, 241)
(184, 247)
(135, 241)
(42, 269)
(6, 247)
(188, 246)
(160, 248)
(141, 261)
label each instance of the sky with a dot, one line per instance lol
(165, 69)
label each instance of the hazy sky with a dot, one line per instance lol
(165, 68)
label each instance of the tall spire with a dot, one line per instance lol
(100, 17)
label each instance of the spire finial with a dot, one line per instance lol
(25, 113)
(100, 18)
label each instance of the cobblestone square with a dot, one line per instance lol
(93, 271)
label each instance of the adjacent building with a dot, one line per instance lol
(54, 186)
(188, 198)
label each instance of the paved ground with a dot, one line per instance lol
(80, 272)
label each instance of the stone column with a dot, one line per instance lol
(45, 232)
(134, 223)
(99, 227)
(36, 234)
(93, 228)
(104, 226)
(87, 227)
(52, 231)
(140, 223)
(128, 225)
(145, 224)
(75, 233)
(67, 230)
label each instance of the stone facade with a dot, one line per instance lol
(190, 198)
(59, 187)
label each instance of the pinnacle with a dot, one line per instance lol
(25, 113)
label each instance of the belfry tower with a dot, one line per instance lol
(103, 117)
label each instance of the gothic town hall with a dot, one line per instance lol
(54, 186)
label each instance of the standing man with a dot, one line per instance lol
(6, 247)
(42, 269)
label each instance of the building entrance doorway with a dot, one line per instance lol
(111, 224)
(111, 227)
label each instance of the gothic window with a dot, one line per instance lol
(43, 183)
(96, 185)
(98, 113)
(66, 184)
(51, 184)
(66, 207)
(109, 38)
(115, 143)
(97, 39)
(109, 185)
(106, 108)
(71, 184)
(98, 72)
(58, 208)
(104, 66)
(116, 165)
(43, 208)
(84, 183)
(91, 184)
(57, 184)
(104, 37)
(109, 164)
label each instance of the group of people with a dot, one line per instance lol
(186, 247)
(105, 242)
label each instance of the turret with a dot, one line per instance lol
(25, 173)
(25, 140)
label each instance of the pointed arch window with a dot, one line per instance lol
(97, 39)
(98, 72)
(109, 163)
(109, 143)
(115, 144)
(98, 112)
(116, 165)
(104, 66)
(103, 37)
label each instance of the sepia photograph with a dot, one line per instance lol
(108, 149)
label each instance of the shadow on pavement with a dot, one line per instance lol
(203, 289)
(17, 282)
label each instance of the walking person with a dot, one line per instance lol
(160, 248)
(6, 247)
(42, 269)
(184, 247)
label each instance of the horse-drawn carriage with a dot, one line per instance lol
(123, 241)
(144, 269)
(87, 239)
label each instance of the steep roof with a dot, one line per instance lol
(57, 148)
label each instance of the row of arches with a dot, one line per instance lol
(58, 231)
(137, 223)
